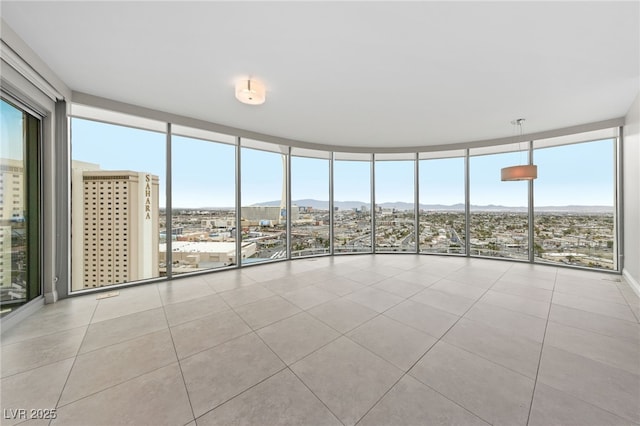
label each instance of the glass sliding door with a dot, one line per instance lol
(574, 205)
(118, 185)
(352, 203)
(499, 210)
(310, 203)
(264, 203)
(395, 204)
(442, 205)
(203, 188)
(19, 207)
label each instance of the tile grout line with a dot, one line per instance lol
(113, 385)
(47, 334)
(445, 397)
(584, 295)
(621, 282)
(313, 393)
(548, 320)
(587, 402)
(122, 341)
(340, 334)
(75, 358)
(48, 363)
(116, 385)
(596, 313)
(599, 333)
(239, 394)
(108, 387)
(286, 366)
(175, 351)
(546, 326)
(427, 351)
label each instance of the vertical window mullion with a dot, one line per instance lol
(168, 260)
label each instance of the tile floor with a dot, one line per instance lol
(367, 340)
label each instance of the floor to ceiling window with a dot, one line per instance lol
(19, 207)
(442, 203)
(352, 203)
(264, 202)
(203, 188)
(118, 180)
(574, 214)
(499, 210)
(220, 212)
(310, 197)
(395, 203)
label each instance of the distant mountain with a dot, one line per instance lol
(575, 209)
(398, 205)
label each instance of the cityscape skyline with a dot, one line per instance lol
(203, 193)
(557, 184)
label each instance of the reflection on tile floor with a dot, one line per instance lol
(368, 340)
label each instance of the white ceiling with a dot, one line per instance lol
(360, 74)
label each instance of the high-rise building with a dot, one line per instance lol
(11, 189)
(117, 223)
(5, 256)
(12, 209)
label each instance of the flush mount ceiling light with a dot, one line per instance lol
(523, 171)
(250, 92)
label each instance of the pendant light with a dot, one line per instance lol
(523, 171)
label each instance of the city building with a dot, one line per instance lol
(142, 253)
(5, 256)
(116, 226)
(267, 215)
(12, 212)
(12, 190)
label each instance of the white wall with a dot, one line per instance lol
(27, 78)
(631, 188)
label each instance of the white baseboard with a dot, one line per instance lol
(23, 312)
(633, 283)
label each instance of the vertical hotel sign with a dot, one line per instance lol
(145, 227)
(147, 196)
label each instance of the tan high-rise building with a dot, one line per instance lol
(11, 210)
(11, 189)
(115, 214)
(5, 256)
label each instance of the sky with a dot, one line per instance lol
(204, 172)
(11, 145)
(309, 178)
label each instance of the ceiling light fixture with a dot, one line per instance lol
(250, 92)
(523, 171)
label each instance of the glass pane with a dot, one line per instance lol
(395, 206)
(442, 208)
(310, 204)
(499, 217)
(264, 211)
(574, 205)
(117, 203)
(19, 217)
(352, 205)
(203, 197)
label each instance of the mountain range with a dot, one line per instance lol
(399, 205)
